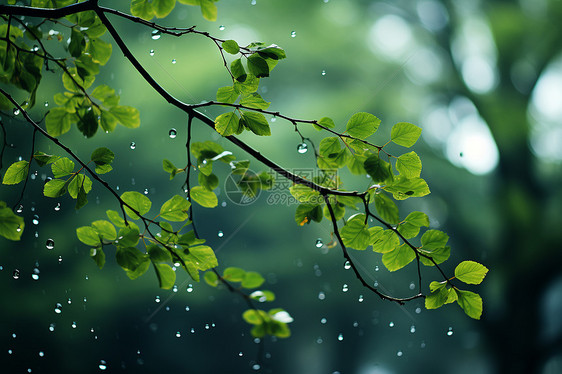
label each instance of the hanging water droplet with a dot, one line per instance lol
(190, 288)
(221, 27)
(16, 274)
(74, 325)
(173, 133)
(16, 111)
(321, 295)
(151, 52)
(157, 299)
(50, 244)
(293, 34)
(450, 332)
(391, 324)
(102, 365)
(35, 220)
(361, 298)
(302, 148)
(178, 334)
(57, 207)
(58, 308)
(345, 288)
(412, 329)
(156, 34)
(399, 354)
(220, 234)
(133, 145)
(319, 243)
(347, 265)
(174, 61)
(323, 72)
(340, 337)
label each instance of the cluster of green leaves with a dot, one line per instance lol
(260, 60)
(11, 225)
(178, 247)
(147, 9)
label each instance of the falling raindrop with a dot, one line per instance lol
(293, 34)
(145, 191)
(102, 365)
(133, 145)
(323, 72)
(240, 354)
(69, 301)
(323, 321)
(41, 354)
(377, 268)
(46, 103)
(52, 327)
(355, 324)
(347, 265)
(19, 209)
(302, 148)
(399, 354)
(361, 298)
(178, 334)
(319, 340)
(319, 243)
(221, 27)
(418, 310)
(151, 52)
(340, 337)
(391, 324)
(16, 274)
(60, 259)
(14, 335)
(74, 325)
(16, 111)
(253, 2)
(35, 220)
(173, 133)
(450, 332)
(58, 308)
(256, 367)
(50, 244)
(174, 61)
(345, 288)
(57, 207)
(190, 288)
(220, 234)
(35, 275)
(412, 286)
(175, 288)
(321, 295)
(156, 34)
(157, 299)
(192, 330)
(412, 329)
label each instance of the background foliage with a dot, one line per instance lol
(404, 62)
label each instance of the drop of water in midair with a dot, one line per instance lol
(102, 365)
(175, 288)
(319, 243)
(302, 148)
(151, 52)
(52, 327)
(220, 234)
(293, 34)
(16, 274)
(19, 209)
(156, 34)
(157, 299)
(16, 111)
(74, 325)
(323, 72)
(173, 133)
(60, 259)
(189, 288)
(399, 354)
(321, 295)
(174, 61)
(412, 286)
(418, 310)
(35, 220)
(57, 207)
(345, 288)
(50, 244)
(450, 332)
(340, 337)
(133, 145)
(323, 321)
(347, 265)
(377, 268)
(46, 104)
(69, 301)
(256, 367)
(146, 191)
(41, 354)
(253, 2)
(361, 298)
(412, 329)
(178, 334)
(240, 354)
(35, 275)
(58, 308)
(391, 324)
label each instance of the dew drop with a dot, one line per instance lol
(450, 332)
(58, 308)
(16, 274)
(151, 52)
(174, 61)
(50, 244)
(133, 145)
(391, 324)
(319, 243)
(173, 133)
(347, 265)
(178, 334)
(35, 220)
(340, 337)
(102, 365)
(323, 72)
(412, 329)
(220, 234)
(293, 34)
(302, 148)
(156, 34)
(16, 111)
(221, 27)
(345, 288)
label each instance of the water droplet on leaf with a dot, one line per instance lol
(50, 244)
(302, 148)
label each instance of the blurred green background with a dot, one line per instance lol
(484, 81)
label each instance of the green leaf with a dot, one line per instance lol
(305, 194)
(126, 115)
(227, 94)
(438, 255)
(230, 46)
(437, 285)
(234, 274)
(326, 122)
(128, 236)
(204, 197)
(254, 317)
(80, 181)
(142, 9)
(248, 85)
(88, 235)
(258, 66)
(384, 241)
(99, 50)
(437, 298)
(255, 101)
(58, 121)
(189, 239)
(470, 272)
(210, 181)
(43, 159)
(102, 156)
(106, 95)
(98, 255)
(262, 295)
(398, 258)
(237, 70)
(166, 275)
(355, 234)
(252, 279)
(405, 134)
(403, 188)
(73, 82)
(77, 43)
(362, 125)
(55, 188)
(434, 239)
(273, 52)
(209, 10)
(175, 209)
(105, 230)
(115, 218)
(81, 198)
(108, 121)
(211, 278)
(470, 302)
(16, 173)
(62, 167)
(339, 211)
(379, 170)
(386, 208)
(137, 201)
(410, 226)
(409, 165)
(307, 213)
(203, 257)
(256, 123)
(133, 261)
(332, 155)
(227, 124)
(162, 8)
(11, 225)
